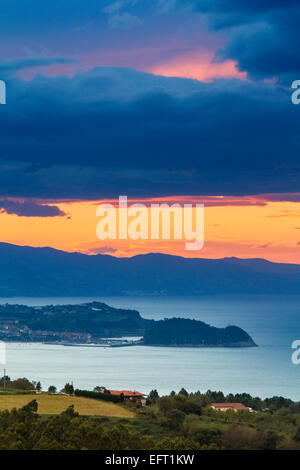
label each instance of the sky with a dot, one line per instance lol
(157, 100)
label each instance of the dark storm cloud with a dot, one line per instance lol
(117, 131)
(268, 48)
(29, 209)
(238, 6)
(264, 36)
(8, 68)
(18, 15)
(21, 16)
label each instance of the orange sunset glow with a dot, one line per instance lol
(245, 227)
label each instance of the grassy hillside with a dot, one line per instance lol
(55, 404)
(180, 421)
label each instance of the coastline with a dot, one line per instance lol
(99, 345)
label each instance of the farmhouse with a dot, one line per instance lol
(230, 406)
(129, 395)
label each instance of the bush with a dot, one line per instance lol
(165, 404)
(174, 419)
(191, 408)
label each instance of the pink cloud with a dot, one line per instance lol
(197, 65)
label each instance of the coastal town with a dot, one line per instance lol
(11, 330)
(88, 324)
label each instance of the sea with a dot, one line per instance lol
(265, 371)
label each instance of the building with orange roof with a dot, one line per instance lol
(128, 395)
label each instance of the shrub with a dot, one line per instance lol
(98, 396)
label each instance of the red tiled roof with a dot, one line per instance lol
(126, 393)
(236, 406)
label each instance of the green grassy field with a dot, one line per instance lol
(55, 404)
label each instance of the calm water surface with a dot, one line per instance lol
(273, 323)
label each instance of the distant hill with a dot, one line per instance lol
(27, 271)
(183, 332)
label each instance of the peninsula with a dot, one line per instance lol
(183, 332)
(99, 323)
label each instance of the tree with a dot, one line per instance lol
(101, 389)
(183, 392)
(52, 389)
(32, 406)
(4, 380)
(165, 404)
(22, 384)
(70, 412)
(175, 419)
(189, 407)
(38, 386)
(153, 395)
(69, 389)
